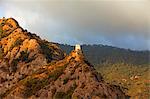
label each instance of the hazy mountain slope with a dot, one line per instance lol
(100, 54)
(34, 68)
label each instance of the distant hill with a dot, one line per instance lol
(100, 54)
(135, 80)
(122, 67)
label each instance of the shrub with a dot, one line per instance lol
(67, 95)
(13, 66)
(65, 80)
(46, 51)
(56, 73)
(3, 22)
(32, 85)
(1, 53)
(1, 33)
(17, 43)
(24, 56)
(60, 95)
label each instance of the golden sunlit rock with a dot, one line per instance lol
(34, 68)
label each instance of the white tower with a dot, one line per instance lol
(77, 47)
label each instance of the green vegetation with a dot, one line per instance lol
(66, 95)
(113, 64)
(65, 80)
(13, 66)
(60, 95)
(16, 43)
(56, 73)
(1, 53)
(32, 85)
(135, 80)
(100, 54)
(24, 56)
(2, 34)
(1, 31)
(39, 71)
(3, 22)
(46, 51)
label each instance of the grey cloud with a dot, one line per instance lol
(115, 22)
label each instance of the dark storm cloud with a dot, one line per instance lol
(123, 23)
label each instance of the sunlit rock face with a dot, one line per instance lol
(35, 68)
(22, 53)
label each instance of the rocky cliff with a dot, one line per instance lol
(35, 68)
(22, 53)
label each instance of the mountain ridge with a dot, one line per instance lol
(83, 81)
(34, 68)
(102, 54)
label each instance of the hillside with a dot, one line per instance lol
(101, 54)
(134, 79)
(72, 77)
(34, 68)
(126, 68)
(22, 53)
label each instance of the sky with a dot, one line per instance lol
(120, 23)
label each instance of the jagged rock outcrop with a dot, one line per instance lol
(34, 68)
(21, 53)
(72, 77)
